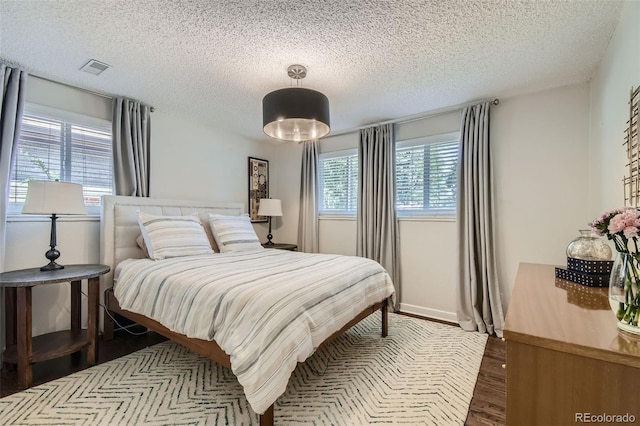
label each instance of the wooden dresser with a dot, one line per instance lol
(566, 359)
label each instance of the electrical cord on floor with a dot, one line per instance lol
(122, 327)
(315, 370)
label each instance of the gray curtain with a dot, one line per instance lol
(308, 240)
(131, 145)
(11, 107)
(377, 227)
(479, 306)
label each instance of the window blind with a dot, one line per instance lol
(426, 178)
(338, 184)
(52, 148)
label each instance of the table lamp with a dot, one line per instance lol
(54, 198)
(270, 207)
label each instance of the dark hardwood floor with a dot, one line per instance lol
(487, 406)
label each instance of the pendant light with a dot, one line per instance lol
(295, 114)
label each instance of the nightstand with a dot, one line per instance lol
(282, 246)
(22, 348)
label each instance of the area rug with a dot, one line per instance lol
(423, 373)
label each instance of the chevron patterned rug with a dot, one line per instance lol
(423, 373)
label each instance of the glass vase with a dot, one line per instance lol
(623, 291)
(588, 246)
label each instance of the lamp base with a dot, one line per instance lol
(269, 242)
(269, 236)
(52, 254)
(52, 266)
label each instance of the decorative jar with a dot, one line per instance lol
(623, 291)
(589, 247)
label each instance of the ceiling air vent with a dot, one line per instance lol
(95, 67)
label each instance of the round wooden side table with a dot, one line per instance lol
(23, 349)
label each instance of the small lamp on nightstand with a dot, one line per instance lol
(54, 198)
(270, 207)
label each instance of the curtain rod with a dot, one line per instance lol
(414, 117)
(92, 92)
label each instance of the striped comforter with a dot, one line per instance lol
(267, 309)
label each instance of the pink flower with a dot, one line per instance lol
(625, 219)
(617, 224)
(621, 226)
(630, 232)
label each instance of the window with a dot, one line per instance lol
(56, 144)
(339, 182)
(426, 175)
(426, 178)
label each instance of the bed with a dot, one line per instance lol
(265, 310)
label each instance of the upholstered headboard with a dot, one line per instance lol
(119, 224)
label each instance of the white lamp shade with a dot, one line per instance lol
(270, 207)
(49, 197)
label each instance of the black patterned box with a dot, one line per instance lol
(591, 280)
(589, 266)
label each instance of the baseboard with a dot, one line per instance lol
(429, 313)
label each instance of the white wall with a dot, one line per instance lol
(619, 70)
(541, 151)
(45, 92)
(189, 161)
(428, 267)
(286, 160)
(192, 161)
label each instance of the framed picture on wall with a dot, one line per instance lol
(258, 187)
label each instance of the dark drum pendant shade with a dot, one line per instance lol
(295, 114)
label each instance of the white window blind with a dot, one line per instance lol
(339, 182)
(426, 175)
(59, 145)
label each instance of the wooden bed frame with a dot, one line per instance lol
(118, 232)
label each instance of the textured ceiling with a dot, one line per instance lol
(375, 60)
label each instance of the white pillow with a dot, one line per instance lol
(233, 233)
(173, 236)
